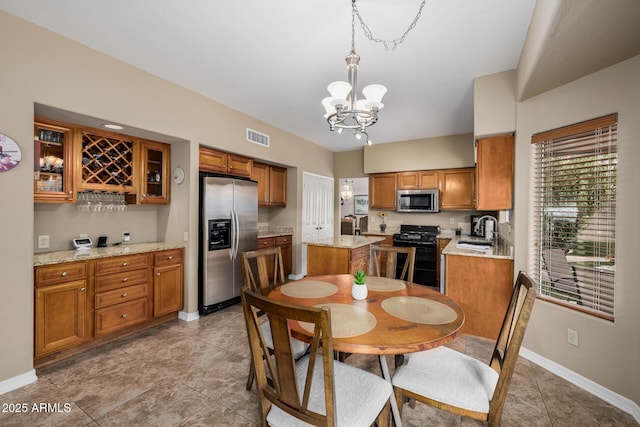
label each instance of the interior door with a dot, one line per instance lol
(317, 210)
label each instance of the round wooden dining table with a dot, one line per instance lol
(397, 317)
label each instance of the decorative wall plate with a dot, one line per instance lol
(10, 154)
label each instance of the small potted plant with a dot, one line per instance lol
(359, 287)
(383, 225)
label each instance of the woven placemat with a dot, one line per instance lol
(346, 320)
(308, 289)
(419, 310)
(384, 284)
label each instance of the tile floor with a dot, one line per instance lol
(193, 374)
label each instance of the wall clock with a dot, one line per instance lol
(10, 154)
(178, 175)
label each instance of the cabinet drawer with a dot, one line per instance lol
(121, 263)
(117, 296)
(120, 316)
(359, 253)
(121, 279)
(59, 273)
(266, 242)
(169, 257)
(283, 240)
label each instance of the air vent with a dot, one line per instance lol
(257, 137)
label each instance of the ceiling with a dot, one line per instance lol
(273, 59)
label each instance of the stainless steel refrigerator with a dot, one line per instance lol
(228, 226)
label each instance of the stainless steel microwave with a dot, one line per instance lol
(418, 200)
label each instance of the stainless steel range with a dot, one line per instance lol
(424, 239)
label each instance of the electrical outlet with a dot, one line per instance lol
(126, 236)
(452, 221)
(43, 242)
(185, 236)
(572, 337)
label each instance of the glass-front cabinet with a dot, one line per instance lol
(52, 166)
(155, 174)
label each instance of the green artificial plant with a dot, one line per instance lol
(359, 278)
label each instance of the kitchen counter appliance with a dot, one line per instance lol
(228, 226)
(424, 239)
(423, 201)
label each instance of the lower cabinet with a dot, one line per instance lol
(60, 307)
(482, 287)
(82, 304)
(336, 260)
(167, 282)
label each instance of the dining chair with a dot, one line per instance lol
(363, 224)
(255, 268)
(316, 389)
(562, 275)
(390, 255)
(455, 382)
(347, 226)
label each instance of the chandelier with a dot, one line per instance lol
(346, 189)
(343, 108)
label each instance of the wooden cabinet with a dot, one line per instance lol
(60, 307)
(220, 162)
(457, 189)
(494, 172)
(418, 180)
(168, 282)
(442, 243)
(119, 276)
(482, 287)
(285, 247)
(155, 173)
(336, 260)
(382, 191)
(272, 184)
(53, 162)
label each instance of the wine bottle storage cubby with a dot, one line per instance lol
(107, 161)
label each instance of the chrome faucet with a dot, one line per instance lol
(493, 234)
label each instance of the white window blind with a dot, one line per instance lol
(574, 215)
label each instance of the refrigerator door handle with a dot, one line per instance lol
(232, 238)
(236, 234)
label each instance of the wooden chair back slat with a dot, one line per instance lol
(392, 260)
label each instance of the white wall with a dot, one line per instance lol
(609, 352)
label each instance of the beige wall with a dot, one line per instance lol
(494, 104)
(42, 67)
(609, 351)
(453, 151)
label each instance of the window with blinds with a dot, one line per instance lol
(574, 215)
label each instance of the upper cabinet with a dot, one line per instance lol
(70, 158)
(225, 163)
(272, 184)
(382, 191)
(53, 165)
(155, 173)
(417, 180)
(494, 172)
(457, 189)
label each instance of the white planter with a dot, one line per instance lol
(359, 291)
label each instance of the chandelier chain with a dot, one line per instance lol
(388, 44)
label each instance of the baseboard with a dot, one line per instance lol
(188, 317)
(619, 401)
(17, 381)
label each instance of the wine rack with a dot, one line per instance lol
(107, 163)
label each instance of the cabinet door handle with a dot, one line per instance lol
(82, 289)
(124, 295)
(157, 274)
(124, 279)
(64, 274)
(124, 264)
(170, 257)
(124, 316)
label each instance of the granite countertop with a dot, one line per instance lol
(349, 242)
(502, 249)
(266, 234)
(57, 257)
(265, 230)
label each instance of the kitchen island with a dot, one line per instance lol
(338, 254)
(480, 281)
